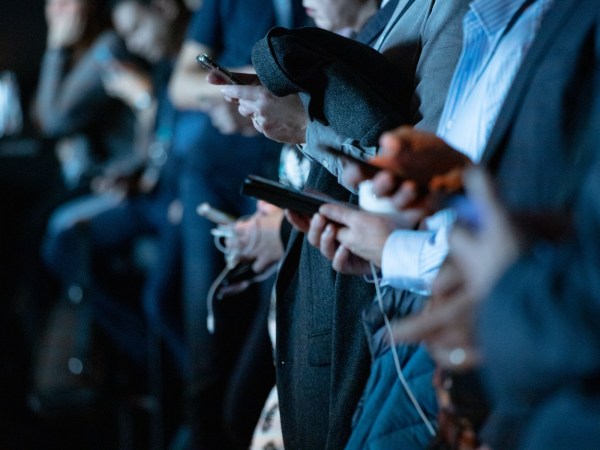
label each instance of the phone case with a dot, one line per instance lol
(283, 196)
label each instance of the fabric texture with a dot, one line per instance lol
(549, 298)
(350, 86)
(386, 417)
(321, 357)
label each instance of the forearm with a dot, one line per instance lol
(188, 88)
(51, 75)
(69, 101)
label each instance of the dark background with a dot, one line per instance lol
(22, 41)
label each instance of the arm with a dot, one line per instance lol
(68, 101)
(188, 88)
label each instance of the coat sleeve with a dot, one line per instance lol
(540, 328)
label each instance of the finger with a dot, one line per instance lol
(337, 213)
(317, 227)
(354, 173)
(213, 78)
(245, 109)
(240, 91)
(423, 326)
(341, 261)
(299, 221)
(448, 279)
(407, 194)
(260, 264)
(385, 184)
(328, 244)
(395, 141)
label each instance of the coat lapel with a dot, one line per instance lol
(556, 18)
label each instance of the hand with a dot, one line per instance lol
(417, 155)
(127, 83)
(66, 23)
(299, 221)
(484, 253)
(446, 325)
(476, 261)
(124, 178)
(282, 119)
(257, 238)
(225, 118)
(362, 233)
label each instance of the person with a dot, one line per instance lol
(528, 188)
(326, 373)
(216, 164)
(70, 100)
(144, 198)
(335, 351)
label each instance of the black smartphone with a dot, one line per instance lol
(283, 196)
(209, 64)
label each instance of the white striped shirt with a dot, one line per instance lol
(496, 37)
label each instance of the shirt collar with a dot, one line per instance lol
(495, 15)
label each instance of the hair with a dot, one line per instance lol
(179, 26)
(97, 20)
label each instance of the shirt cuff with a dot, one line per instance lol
(411, 259)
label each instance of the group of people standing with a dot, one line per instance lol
(461, 315)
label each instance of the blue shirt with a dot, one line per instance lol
(230, 28)
(497, 36)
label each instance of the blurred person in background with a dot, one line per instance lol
(218, 159)
(144, 190)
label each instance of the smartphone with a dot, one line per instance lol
(215, 215)
(209, 64)
(284, 196)
(468, 215)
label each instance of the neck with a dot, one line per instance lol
(368, 10)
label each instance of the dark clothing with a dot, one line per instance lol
(215, 167)
(71, 99)
(79, 250)
(385, 417)
(321, 356)
(539, 153)
(345, 84)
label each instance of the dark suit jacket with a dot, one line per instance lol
(321, 354)
(539, 161)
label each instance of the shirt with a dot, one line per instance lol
(497, 36)
(230, 28)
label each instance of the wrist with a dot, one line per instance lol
(142, 101)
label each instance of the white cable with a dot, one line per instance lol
(395, 356)
(210, 317)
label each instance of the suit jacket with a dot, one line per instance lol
(321, 354)
(539, 153)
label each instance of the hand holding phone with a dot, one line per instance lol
(215, 215)
(212, 66)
